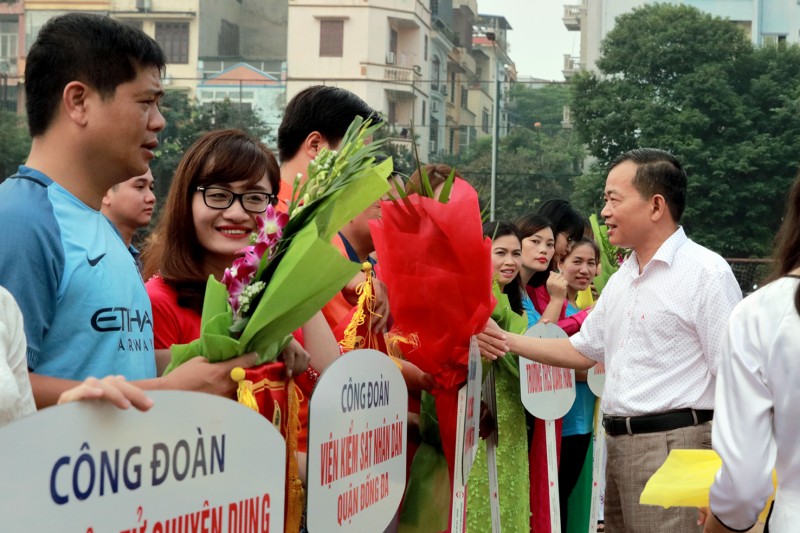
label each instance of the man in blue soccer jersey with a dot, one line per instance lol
(92, 89)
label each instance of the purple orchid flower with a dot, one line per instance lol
(270, 229)
(240, 274)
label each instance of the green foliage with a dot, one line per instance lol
(675, 78)
(534, 164)
(398, 149)
(15, 143)
(544, 105)
(186, 122)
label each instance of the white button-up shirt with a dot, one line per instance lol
(660, 333)
(756, 424)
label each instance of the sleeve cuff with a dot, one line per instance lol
(731, 528)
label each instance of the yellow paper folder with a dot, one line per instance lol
(685, 479)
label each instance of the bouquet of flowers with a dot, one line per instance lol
(435, 263)
(277, 283)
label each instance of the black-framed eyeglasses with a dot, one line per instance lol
(252, 202)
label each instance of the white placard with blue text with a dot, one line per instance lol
(357, 444)
(194, 462)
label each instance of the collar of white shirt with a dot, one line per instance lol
(665, 253)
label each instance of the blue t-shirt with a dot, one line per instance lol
(84, 304)
(579, 420)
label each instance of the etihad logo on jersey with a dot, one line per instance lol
(121, 319)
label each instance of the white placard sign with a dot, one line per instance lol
(547, 392)
(193, 462)
(597, 384)
(598, 470)
(357, 444)
(596, 378)
(490, 394)
(458, 504)
(473, 411)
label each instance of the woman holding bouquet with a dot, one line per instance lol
(223, 183)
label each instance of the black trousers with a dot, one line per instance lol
(573, 454)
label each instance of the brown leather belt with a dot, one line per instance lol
(633, 425)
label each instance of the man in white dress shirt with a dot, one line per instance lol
(658, 327)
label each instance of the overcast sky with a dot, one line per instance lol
(539, 38)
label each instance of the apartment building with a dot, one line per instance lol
(380, 50)
(765, 21)
(202, 39)
(494, 73)
(416, 61)
(451, 117)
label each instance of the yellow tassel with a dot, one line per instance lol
(295, 495)
(365, 309)
(394, 340)
(244, 393)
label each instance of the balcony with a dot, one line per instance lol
(468, 64)
(572, 65)
(572, 17)
(402, 74)
(472, 5)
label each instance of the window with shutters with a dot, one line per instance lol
(174, 40)
(331, 38)
(8, 40)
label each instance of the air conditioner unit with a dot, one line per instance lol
(390, 58)
(443, 89)
(143, 5)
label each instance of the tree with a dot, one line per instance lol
(675, 78)
(544, 105)
(15, 143)
(534, 163)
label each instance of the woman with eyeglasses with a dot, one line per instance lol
(224, 181)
